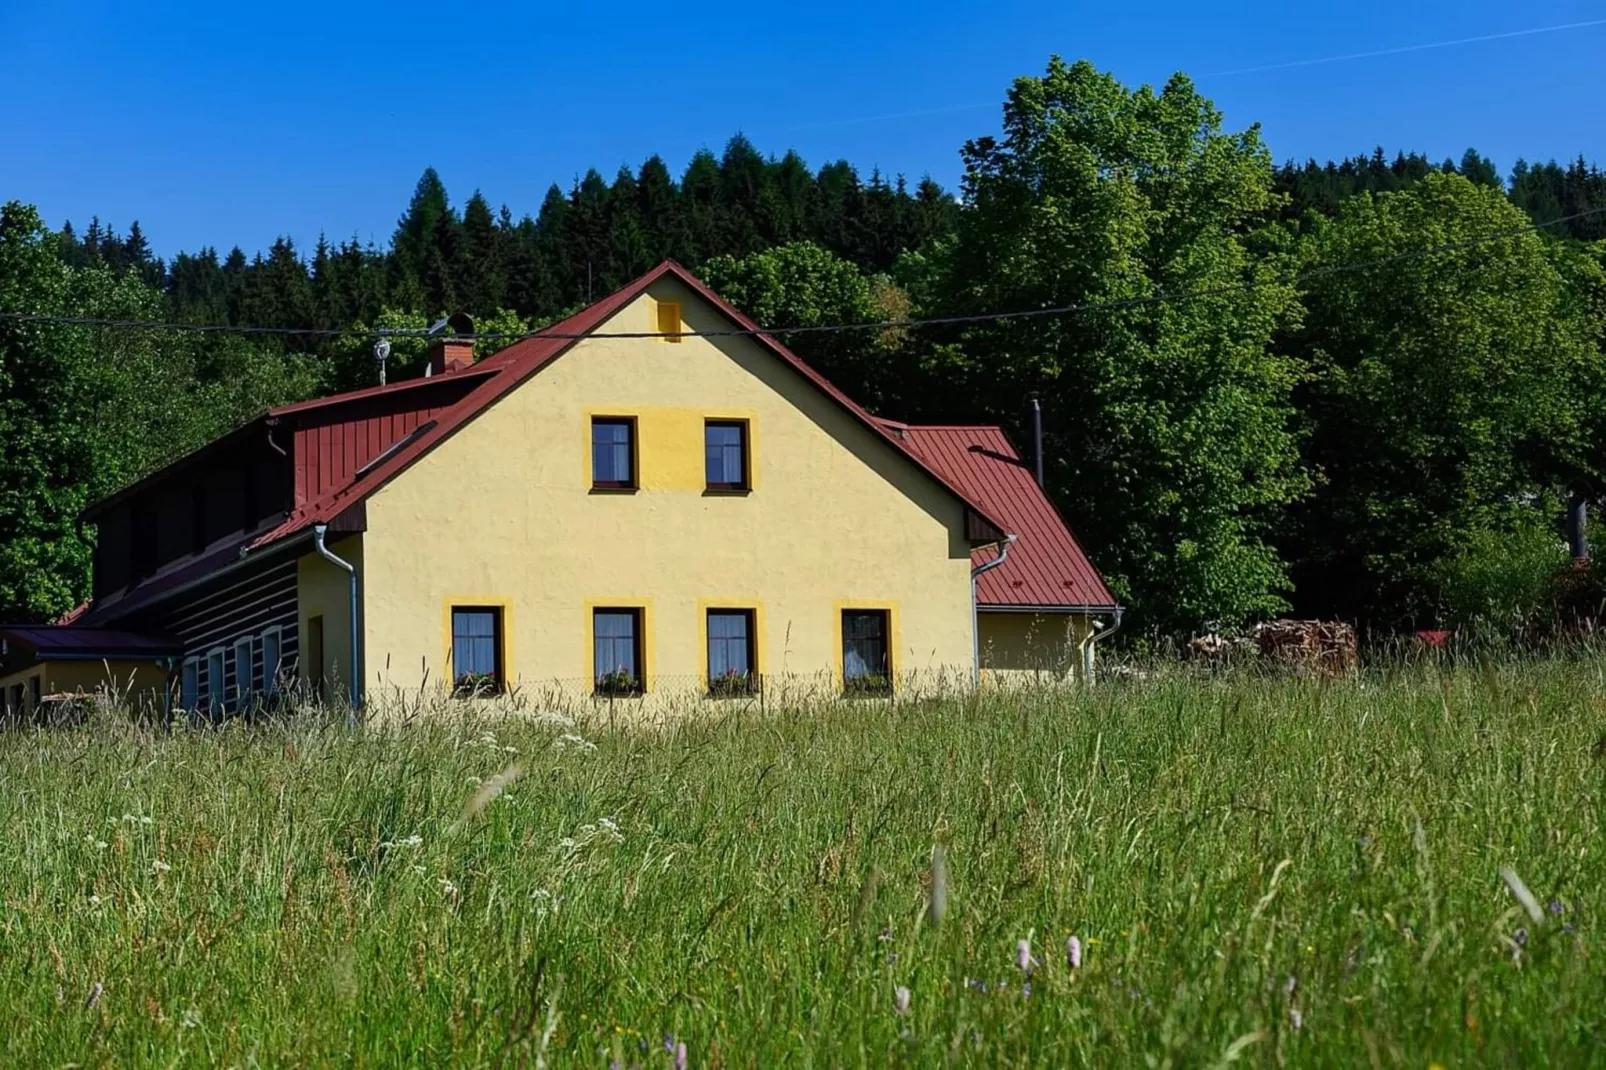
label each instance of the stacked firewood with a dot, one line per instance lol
(1325, 647)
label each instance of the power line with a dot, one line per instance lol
(1407, 48)
(1289, 65)
(1158, 298)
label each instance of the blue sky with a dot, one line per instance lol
(231, 123)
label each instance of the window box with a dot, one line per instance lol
(734, 684)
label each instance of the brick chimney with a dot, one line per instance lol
(450, 354)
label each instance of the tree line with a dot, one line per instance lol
(1314, 388)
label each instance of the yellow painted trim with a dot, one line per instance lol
(649, 651)
(894, 637)
(470, 601)
(755, 606)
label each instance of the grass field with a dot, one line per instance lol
(1266, 871)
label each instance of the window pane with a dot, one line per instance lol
(242, 667)
(610, 451)
(474, 642)
(270, 661)
(190, 688)
(214, 678)
(615, 643)
(724, 457)
(728, 644)
(864, 644)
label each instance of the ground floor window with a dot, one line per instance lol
(866, 665)
(617, 659)
(731, 656)
(477, 650)
(271, 653)
(216, 695)
(243, 678)
(189, 690)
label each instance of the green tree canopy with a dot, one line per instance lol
(1171, 450)
(1448, 394)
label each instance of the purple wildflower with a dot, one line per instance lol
(680, 1056)
(1556, 908)
(1073, 953)
(1023, 956)
(1026, 990)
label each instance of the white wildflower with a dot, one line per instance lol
(448, 889)
(569, 739)
(900, 999)
(160, 867)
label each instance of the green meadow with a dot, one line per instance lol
(1403, 868)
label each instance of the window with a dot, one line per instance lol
(617, 660)
(865, 665)
(189, 690)
(243, 676)
(613, 453)
(269, 683)
(668, 323)
(215, 681)
(477, 650)
(315, 678)
(725, 454)
(16, 700)
(731, 660)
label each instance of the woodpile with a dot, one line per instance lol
(1315, 646)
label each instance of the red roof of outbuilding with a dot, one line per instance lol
(501, 372)
(1046, 567)
(55, 642)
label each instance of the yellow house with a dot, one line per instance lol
(652, 497)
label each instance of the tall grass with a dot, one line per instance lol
(1272, 871)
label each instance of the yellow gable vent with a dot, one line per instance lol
(668, 320)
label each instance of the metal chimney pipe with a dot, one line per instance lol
(1037, 438)
(1578, 527)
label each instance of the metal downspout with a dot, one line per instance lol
(975, 617)
(318, 532)
(1092, 640)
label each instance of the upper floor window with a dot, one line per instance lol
(725, 454)
(668, 324)
(613, 453)
(477, 650)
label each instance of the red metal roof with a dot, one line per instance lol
(505, 370)
(1046, 566)
(54, 642)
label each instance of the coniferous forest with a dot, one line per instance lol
(1362, 388)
